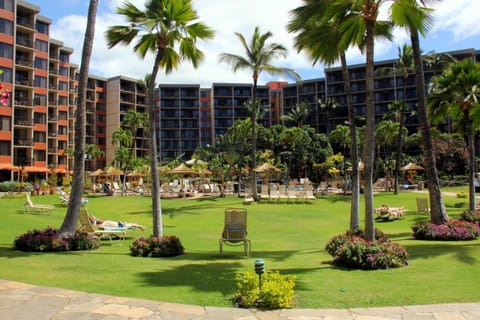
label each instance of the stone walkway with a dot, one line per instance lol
(19, 301)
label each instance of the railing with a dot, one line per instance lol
(24, 123)
(23, 142)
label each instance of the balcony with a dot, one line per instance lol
(22, 103)
(23, 142)
(23, 123)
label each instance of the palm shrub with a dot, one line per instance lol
(165, 246)
(49, 240)
(450, 231)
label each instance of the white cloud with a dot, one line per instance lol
(227, 17)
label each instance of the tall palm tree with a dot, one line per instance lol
(258, 58)
(457, 93)
(341, 135)
(298, 115)
(69, 224)
(417, 19)
(169, 29)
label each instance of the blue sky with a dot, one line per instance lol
(456, 27)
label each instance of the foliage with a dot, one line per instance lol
(358, 253)
(339, 240)
(8, 186)
(165, 246)
(450, 231)
(277, 290)
(48, 240)
(461, 195)
(471, 216)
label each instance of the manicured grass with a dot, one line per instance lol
(289, 237)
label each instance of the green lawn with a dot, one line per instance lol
(289, 237)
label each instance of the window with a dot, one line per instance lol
(40, 82)
(39, 100)
(5, 123)
(6, 27)
(6, 76)
(41, 45)
(63, 86)
(39, 136)
(63, 71)
(6, 5)
(4, 148)
(6, 50)
(41, 63)
(64, 57)
(41, 27)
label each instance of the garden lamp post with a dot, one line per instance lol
(259, 269)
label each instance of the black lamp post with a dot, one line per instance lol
(259, 269)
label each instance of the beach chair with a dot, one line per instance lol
(235, 230)
(110, 232)
(422, 206)
(30, 207)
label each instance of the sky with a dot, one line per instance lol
(455, 28)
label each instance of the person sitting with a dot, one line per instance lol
(101, 223)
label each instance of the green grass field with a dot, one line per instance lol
(289, 237)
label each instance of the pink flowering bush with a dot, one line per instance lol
(166, 246)
(450, 231)
(48, 240)
(352, 251)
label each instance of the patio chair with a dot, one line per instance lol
(422, 205)
(65, 198)
(30, 207)
(235, 230)
(110, 232)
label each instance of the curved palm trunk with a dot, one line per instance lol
(69, 224)
(156, 204)
(471, 173)
(437, 207)
(355, 205)
(400, 137)
(369, 151)
(254, 140)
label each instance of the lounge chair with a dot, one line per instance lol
(422, 205)
(105, 232)
(30, 207)
(65, 198)
(386, 213)
(235, 230)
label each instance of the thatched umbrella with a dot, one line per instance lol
(412, 167)
(182, 170)
(267, 168)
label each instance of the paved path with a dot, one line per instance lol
(22, 301)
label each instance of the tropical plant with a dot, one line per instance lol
(258, 58)
(298, 115)
(70, 221)
(456, 93)
(170, 30)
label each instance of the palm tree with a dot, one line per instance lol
(341, 135)
(69, 224)
(298, 115)
(170, 30)
(457, 93)
(258, 58)
(416, 18)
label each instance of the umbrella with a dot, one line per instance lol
(412, 167)
(267, 167)
(182, 169)
(96, 173)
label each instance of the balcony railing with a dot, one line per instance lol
(26, 123)
(23, 142)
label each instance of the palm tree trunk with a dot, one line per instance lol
(369, 151)
(400, 137)
(69, 224)
(438, 212)
(254, 140)
(471, 173)
(156, 204)
(355, 205)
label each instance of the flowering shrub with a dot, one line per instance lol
(450, 231)
(358, 253)
(471, 216)
(337, 241)
(166, 246)
(48, 240)
(4, 94)
(277, 290)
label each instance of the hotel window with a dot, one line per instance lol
(63, 57)
(4, 148)
(63, 71)
(63, 86)
(41, 27)
(40, 82)
(40, 100)
(41, 63)
(6, 5)
(5, 123)
(6, 27)
(6, 50)
(41, 45)
(6, 76)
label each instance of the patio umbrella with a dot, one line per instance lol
(96, 173)
(412, 167)
(182, 170)
(267, 168)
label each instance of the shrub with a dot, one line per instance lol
(461, 195)
(8, 186)
(277, 290)
(48, 240)
(450, 231)
(337, 241)
(166, 246)
(471, 216)
(358, 253)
